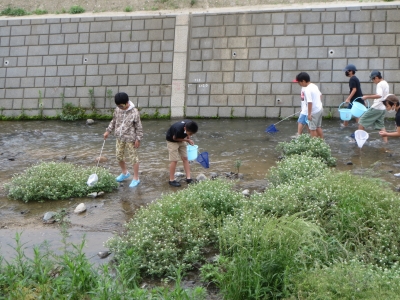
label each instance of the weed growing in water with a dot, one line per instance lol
(71, 112)
(307, 145)
(174, 231)
(54, 181)
(237, 164)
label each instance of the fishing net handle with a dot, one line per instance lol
(101, 151)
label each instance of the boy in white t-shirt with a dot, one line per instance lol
(312, 97)
(375, 116)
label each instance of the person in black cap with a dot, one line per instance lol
(375, 116)
(355, 89)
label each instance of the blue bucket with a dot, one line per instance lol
(345, 113)
(358, 109)
(192, 152)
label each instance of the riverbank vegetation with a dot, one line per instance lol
(315, 233)
(58, 180)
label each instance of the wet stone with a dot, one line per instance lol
(349, 163)
(89, 121)
(213, 175)
(47, 216)
(201, 177)
(246, 192)
(80, 208)
(103, 254)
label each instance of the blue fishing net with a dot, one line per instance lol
(271, 129)
(202, 159)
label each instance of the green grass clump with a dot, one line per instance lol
(296, 168)
(173, 232)
(128, 9)
(71, 112)
(360, 213)
(55, 181)
(348, 280)
(307, 145)
(14, 11)
(40, 11)
(70, 275)
(76, 9)
(258, 254)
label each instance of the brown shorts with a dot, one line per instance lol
(176, 150)
(129, 147)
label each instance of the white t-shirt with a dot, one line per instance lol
(382, 89)
(303, 103)
(313, 95)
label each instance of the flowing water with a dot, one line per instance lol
(24, 143)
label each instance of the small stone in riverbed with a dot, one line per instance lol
(80, 208)
(92, 195)
(89, 121)
(103, 254)
(47, 216)
(201, 177)
(349, 163)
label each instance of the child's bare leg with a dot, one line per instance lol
(300, 128)
(136, 171)
(345, 123)
(122, 164)
(313, 133)
(186, 166)
(172, 167)
(319, 132)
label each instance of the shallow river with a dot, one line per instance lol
(23, 143)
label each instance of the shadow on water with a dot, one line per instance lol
(226, 140)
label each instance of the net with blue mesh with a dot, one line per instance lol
(202, 159)
(271, 129)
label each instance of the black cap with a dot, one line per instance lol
(375, 73)
(350, 67)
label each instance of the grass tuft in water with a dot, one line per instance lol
(55, 181)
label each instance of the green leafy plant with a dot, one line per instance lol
(40, 11)
(92, 100)
(40, 104)
(307, 145)
(237, 164)
(128, 9)
(14, 11)
(173, 232)
(71, 112)
(76, 9)
(296, 168)
(260, 253)
(54, 181)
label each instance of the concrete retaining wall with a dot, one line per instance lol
(223, 64)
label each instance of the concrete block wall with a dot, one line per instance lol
(225, 64)
(45, 60)
(243, 64)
